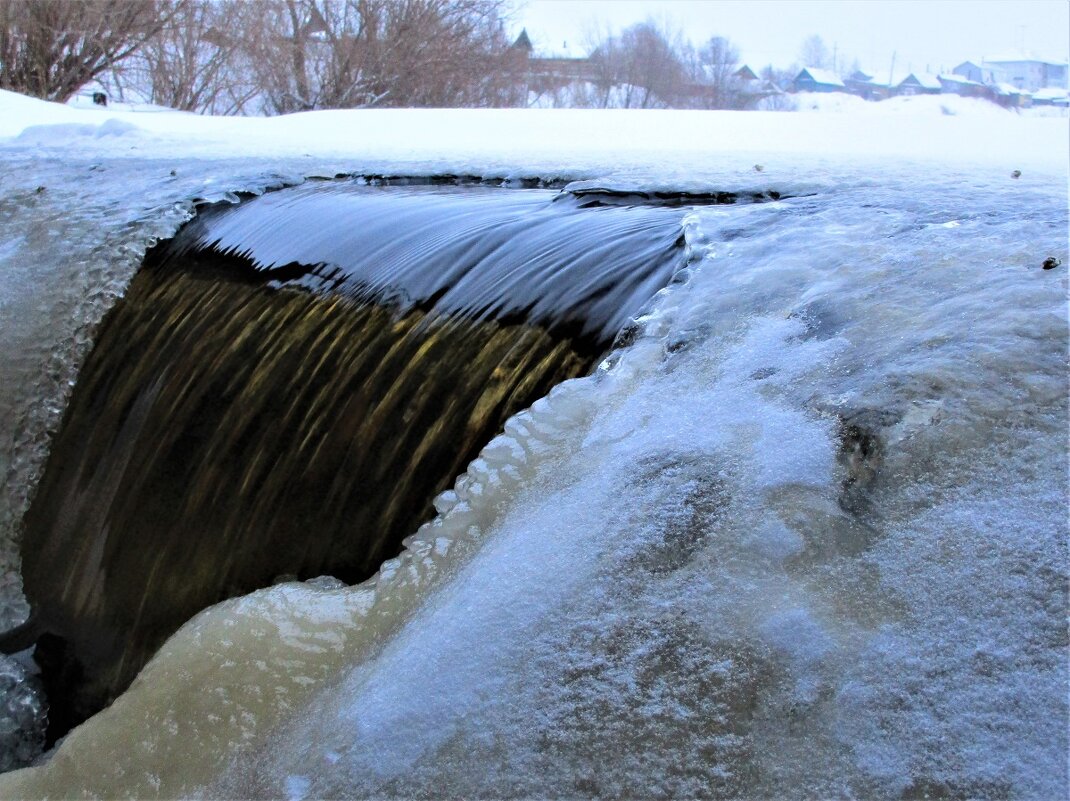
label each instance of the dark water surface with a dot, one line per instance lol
(287, 385)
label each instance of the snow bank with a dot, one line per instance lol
(672, 146)
(907, 105)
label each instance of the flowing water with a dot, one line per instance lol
(802, 534)
(294, 410)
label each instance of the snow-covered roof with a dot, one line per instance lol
(826, 77)
(1050, 93)
(1020, 56)
(952, 78)
(566, 48)
(924, 79)
(1010, 89)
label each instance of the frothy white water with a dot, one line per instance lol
(805, 538)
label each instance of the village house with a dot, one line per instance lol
(918, 83)
(959, 85)
(1029, 73)
(1051, 96)
(812, 79)
(866, 86)
(754, 87)
(553, 70)
(983, 75)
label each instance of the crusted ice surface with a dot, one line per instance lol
(805, 537)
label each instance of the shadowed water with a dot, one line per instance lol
(238, 420)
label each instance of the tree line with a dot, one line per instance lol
(280, 56)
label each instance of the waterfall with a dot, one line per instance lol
(797, 531)
(287, 385)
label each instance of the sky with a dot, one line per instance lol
(933, 35)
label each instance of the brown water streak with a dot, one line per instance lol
(223, 433)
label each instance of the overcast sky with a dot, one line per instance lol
(933, 34)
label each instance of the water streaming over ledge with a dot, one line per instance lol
(806, 536)
(287, 385)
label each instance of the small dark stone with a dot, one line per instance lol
(1016, 174)
(173, 173)
(1051, 263)
(758, 168)
(39, 190)
(862, 443)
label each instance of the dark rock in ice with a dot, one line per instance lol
(862, 445)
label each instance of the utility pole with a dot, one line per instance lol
(891, 71)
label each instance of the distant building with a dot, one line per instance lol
(866, 86)
(523, 42)
(919, 83)
(812, 79)
(1029, 73)
(960, 85)
(977, 73)
(1011, 96)
(752, 88)
(745, 73)
(551, 71)
(1051, 96)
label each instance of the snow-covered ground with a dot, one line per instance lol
(671, 147)
(805, 538)
(914, 105)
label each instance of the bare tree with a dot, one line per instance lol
(197, 62)
(814, 53)
(715, 83)
(640, 68)
(357, 53)
(51, 48)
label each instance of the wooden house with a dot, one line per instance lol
(1010, 96)
(866, 86)
(812, 79)
(919, 83)
(1051, 96)
(972, 71)
(959, 85)
(745, 73)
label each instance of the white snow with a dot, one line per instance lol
(675, 146)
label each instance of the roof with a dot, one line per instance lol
(523, 41)
(1019, 57)
(1009, 89)
(826, 77)
(1050, 93)
(945, 78)
(746, 73)
(923, 79)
